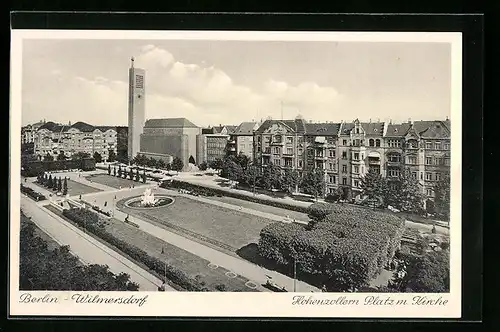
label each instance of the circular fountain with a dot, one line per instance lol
(149, 200)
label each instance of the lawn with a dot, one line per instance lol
(220, 226)
(112, 181)
(261, 207)
(194, 266)
(76, 188)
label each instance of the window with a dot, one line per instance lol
(299, 152)
(344, 154)
(289, 150)
(277, 162)
(414, 175)
(356, 183)
(421, 175)
(429, 192)
(356, 156)
(356, 169)
(344, 181)
(310, 152)
(377, 143)
(330, 165)
(428, 160)
(289, 140)
(438, 161)
(357, 130)
(331, 179)
(412, 160)
(446, 146)
(438, 176)
(437, 145)
(276, 150)
(394, 172)
(428, 176)
(446, 161)
(331, 190)
(395, 158)
(300, 164)
(428, 145)
(344, 142)
(371, 142)
(277, 139)
(288, 162)
(344, 168)
(139, 81)
(267, 139)
(332, 153)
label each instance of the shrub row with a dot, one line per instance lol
(233, 194)
(82, 218)
(345, 249)
(33, 194)
(35, 168)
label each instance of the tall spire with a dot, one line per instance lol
(132, 62)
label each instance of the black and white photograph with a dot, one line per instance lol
(185, 166)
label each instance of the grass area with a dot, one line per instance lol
(75, 188)
(231, 228)
(51, 243)
(261, 207)
(194, 266)
(112, 181)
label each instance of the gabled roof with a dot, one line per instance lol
(397, 129)
(322, 129)
(426, 129)
(373, 128)
(297, 125)
(346, 128)
(245, 128)
(437, 129)
(170, 123)
(205, 131)
(231, 129)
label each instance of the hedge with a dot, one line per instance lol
(88, 219)
(346, 248)
(216, 191)
(33, 194)
(34, 168)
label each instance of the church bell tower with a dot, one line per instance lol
(136, 108)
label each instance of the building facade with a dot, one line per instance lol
(212, 147)
(136, 109)
(241, 140)
(174, 137)
(28, 133)
(52, 138)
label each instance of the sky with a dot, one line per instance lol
(214, 82)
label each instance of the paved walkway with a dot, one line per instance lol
(239, 266)
(88, 249)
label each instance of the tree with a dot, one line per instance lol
(405, 194)
(217, 164)
(151, 162)
(137, 175)
(97, 157)
(114, 171)
(231, 170)
(80, 155)
(59, 185)
(373, 186)
(442, 197)
(109, 169)
(131, 174)
(160, 164)
(242, 160)
(144, 177)
(177, 164)
(48, 157)
(168, 167)
(203, 166)
(65, 186)
(111, 155)
(313, 182)
(119, 171)
(50, 183)
(61, 156)
(271, 177)
(290, 181)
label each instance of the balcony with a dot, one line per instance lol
(320, 157)
(393, 163)
(373, 161)
(357, 161)
(281, 143)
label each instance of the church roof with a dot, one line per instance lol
(170, 123)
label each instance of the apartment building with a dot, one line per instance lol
(28, 132)
(53, 138)
(241, 139)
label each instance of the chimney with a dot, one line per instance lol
(69, 123)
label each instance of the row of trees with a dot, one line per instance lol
(122, 173)
(42, 268)
(142, 160)
(404, 193)
(270, 177)
(81, 155)
(53, 183)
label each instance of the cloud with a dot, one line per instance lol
(205, 94)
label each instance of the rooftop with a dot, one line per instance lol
(322, 129)
(170, 123)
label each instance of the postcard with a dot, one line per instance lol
(235, 174)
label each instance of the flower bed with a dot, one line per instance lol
(215, 191)
(89, 220)
(344, 250)
(33, 194)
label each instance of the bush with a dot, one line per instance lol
(35, 168)
(33, 194)
(88, 219)
(220, 287)
(345, 249)
(215, 191)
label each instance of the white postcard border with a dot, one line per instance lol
(215, 304)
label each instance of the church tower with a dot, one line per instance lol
(136, 108)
